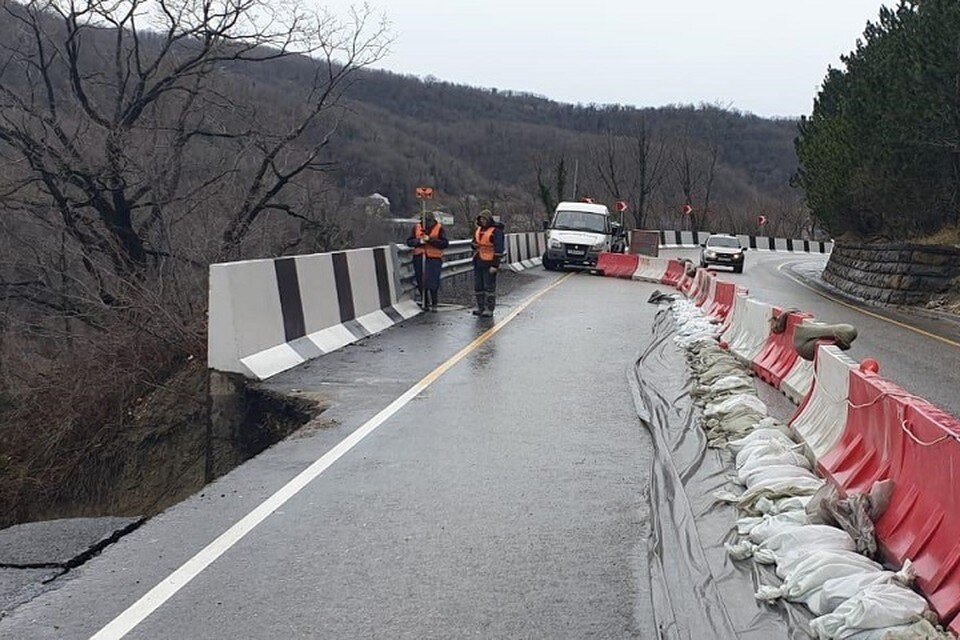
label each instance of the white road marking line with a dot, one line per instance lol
(166, 589)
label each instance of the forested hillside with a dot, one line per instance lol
(401, 131)
(141, 141)
(881, 152)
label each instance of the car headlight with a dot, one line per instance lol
(599, 245)
(555, 244)
(738, 256)
(709, 254)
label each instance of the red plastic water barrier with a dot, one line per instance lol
(617, 265)
(674, 273)
(892, 435)
(723, 300)
(779, 355)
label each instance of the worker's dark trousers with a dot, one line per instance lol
(431, 288)
(484, 286)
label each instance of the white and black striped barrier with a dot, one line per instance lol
(525, 250)
(693, 239)
(267, 316)
(270, 315)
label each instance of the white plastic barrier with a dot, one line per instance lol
(735, 325)
(756, 329)
(820, 421)
(798, 381)
(651, 269)
(267, 316)
(711, 296)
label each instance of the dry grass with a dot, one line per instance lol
(126, 435)
(948, 236)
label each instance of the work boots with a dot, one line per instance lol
(491, 304)
(481, 304)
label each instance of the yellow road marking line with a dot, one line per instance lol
(136, 613)
(902, 325)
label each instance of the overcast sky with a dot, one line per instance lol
(763, 56)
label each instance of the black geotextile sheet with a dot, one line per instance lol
(697, 591)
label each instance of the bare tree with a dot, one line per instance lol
(695, 172)
(113, 122)
(710, 172)
(631, 168)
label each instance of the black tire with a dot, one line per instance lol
(548, 264)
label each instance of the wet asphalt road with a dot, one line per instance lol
(506, 501)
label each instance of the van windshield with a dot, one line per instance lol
(580, 221)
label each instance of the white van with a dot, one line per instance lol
(577, 235)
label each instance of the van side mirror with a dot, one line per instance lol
(546, 225)
(744, 249)
(703, 245)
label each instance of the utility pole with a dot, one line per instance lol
(576, 171)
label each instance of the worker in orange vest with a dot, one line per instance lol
(488, 251)
(428, 241)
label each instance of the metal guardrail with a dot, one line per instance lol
(457, 260)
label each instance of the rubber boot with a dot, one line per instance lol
(433, 300)
(481, 303)
(490, 306)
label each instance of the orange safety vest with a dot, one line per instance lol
(430, 250)
(483, 238)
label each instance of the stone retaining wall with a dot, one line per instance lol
(900, 274)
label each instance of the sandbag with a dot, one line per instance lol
(762, 435)
(854, 514)
(760, 528)
(779, 323)
(786, 458)
(751, 477)
(875, 607)
(836, 591)
(919, 630)
(791, 541)
(737, 405)
(776, 506)
(807, 572)
(807, 335)
(770, 452)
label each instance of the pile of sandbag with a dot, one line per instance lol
(791, 519)
(692, 325)
(819, 564)
(725, 390)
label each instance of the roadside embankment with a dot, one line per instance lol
(898, 274)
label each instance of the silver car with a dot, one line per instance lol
(722, 250)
